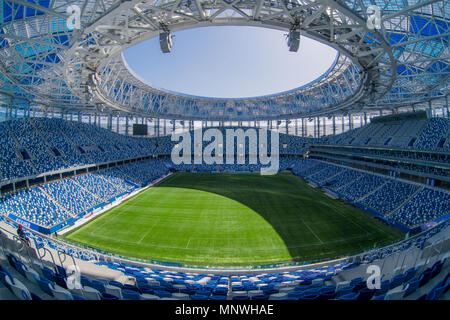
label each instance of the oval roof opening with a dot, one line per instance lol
(230, 62)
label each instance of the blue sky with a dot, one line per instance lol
(229, 62)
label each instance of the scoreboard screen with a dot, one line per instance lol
(140, 129)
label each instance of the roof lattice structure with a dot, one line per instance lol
(44, 63)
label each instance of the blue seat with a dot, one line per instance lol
(130, 295)
(77, 297)
(309, 297)
(48, 273)
(35, 296)
(45, 286)
(425, 277)
(162, 293)
(20, 267)
(220, 291)
(384, 287)
(199, 297)
(188, 291)
(61, 271)
(241, 298)
(349, 296)
(146, 290)
(130, 287)
(270, 291)
(366, 294)
(378, 297)
(312, 291)
(107, 296)
(116, 284)
(98, 285)
(436, 292)
(356, 281)
(85, 281)
(60, 280)
(436, 269)
(260, 297)
(411, 286)
(217, 297)
(343, 291)
(409, 274)
(203, 292)
(295, 294)
(327, 295)
(12, 260)
(328, 289)
(236, 287)
(396, 281)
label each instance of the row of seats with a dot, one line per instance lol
(426, 206)
(389, 197)
(55, 202)
(31, 278)
(39, 145)
(418, 134)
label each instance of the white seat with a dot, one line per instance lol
(287, 289)
(342, 284)
(91, 293)
(252, 293)
(19, 289)
(180, 296)
(61, 294)
(278, 296)
(115, 291)
(30, 274)
(179, 286)
(238, 293)
(146, 296)
(77, 291)
(315, 281)
(102, 280)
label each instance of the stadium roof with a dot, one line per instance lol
(45, 63)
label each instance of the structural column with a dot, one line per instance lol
(334, 125)
(446, 104)
(316, 131)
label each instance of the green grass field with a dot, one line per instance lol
(233, 220)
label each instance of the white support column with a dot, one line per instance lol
(334, 125)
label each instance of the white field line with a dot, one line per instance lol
(82, 221)
(309, 228)
(149, 230)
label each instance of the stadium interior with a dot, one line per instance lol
(80, 136)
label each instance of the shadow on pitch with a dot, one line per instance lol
(280, 201)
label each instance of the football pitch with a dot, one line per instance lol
(233, 219)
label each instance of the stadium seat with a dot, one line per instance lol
(130, 295)
(349, 296)
(395, 295)
(18, 288)
(91, 293)
(411, 286)
(107, 296)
